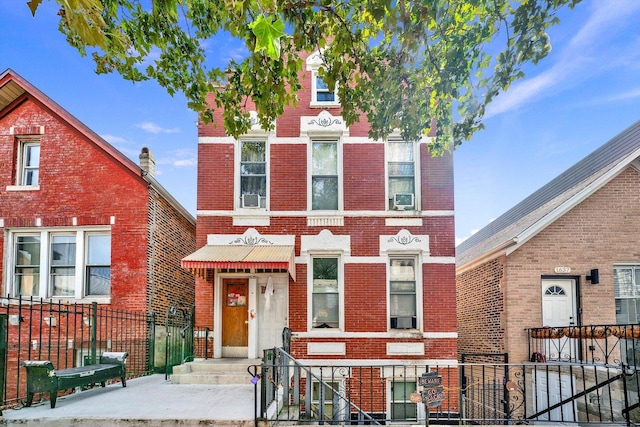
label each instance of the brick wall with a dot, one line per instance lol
(480, 298)
(363, 190)
(172, 237)
(78, 180)
(597, 233)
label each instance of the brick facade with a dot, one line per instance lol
(363, 218)
(501, 297)
(84, 184)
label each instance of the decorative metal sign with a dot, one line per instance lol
(433, 392)
(430, 379)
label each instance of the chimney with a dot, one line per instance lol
(147, 163)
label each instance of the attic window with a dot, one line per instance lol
(321, 95)
(28, 162)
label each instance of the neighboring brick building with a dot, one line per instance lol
(535, 265)
(347, 241)
(81, 222)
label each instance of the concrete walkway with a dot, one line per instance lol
(148, 401)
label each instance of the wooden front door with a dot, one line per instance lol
(235, 322)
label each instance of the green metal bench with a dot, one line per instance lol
(43, 378)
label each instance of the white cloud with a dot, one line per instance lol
(587, 53)
(155, 129)
(185, 162)
(622, 96)
(179, 159)
(113, 140)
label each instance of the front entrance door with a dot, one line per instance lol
(235, 322)
(559, 309)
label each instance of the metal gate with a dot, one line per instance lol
(484, 391)
(179, 336)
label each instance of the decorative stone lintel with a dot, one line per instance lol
(404, 241)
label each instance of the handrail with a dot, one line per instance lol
(287, 361)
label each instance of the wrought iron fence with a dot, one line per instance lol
(608, 344)
(470, 393)
(72, 335)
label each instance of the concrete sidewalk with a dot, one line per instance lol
(148, 401)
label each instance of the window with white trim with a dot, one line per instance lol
(51, 263)
(626, 284)
(326, 405)
(98, 265)
(402, 293)
(321, 92)
(63, 265)
(253, 174)
(401, 171)
(325, 292)
(28, 163)
(400, 406)
(325, 191)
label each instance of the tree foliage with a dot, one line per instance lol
(404, 64)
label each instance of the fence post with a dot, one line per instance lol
(152, 342)
(94, 326)
(3, 355)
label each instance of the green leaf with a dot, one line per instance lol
(268, 32)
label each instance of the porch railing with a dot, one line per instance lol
(473, 393)
(601, 344)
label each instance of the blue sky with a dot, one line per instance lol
(583, 94)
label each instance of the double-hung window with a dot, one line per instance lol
(626, 284)
(402, 409)
(253, 174)
(325, 401)
(98, 265)
(53, 263)
(63, 265)
(324, 175)
(402, 293)
(29, 163)
(26, 275)
(322, 93)
(401, 170)
(325, 297)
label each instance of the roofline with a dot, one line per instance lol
(125, 161)
(163, 191)
(574, 200)
(514, 243)
(487, 256)
(75, 122)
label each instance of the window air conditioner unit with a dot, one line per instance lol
(402, 201)
(403, 323)
(250, 200)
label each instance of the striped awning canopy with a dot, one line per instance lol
(242, 256)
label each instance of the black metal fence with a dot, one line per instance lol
(465, 393)
(71, 335)
(608, 344)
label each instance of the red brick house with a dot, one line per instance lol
(80, 221)
(315, 227)
(568, 258)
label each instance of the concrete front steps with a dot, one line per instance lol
(214, 372)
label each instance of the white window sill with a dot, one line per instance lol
(324, 104)
(23, 187)
(54, 299)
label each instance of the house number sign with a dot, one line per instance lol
(561, 270)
